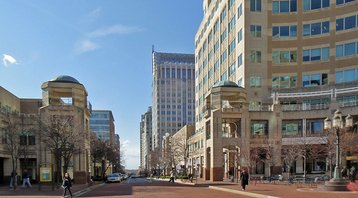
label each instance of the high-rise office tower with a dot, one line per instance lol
(172, 93)
(145, 138)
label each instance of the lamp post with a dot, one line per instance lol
(337, 183)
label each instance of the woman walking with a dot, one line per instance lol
(66, 185)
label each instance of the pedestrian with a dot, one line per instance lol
(26, 179)
(244, 177)
(353, 173)
(66, 185)
(172, 175)
(344, 172)
(190, 177)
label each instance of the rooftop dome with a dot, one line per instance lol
(65, 79)
(226, 83)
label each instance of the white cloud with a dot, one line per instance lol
(8, 60)
(115, 29)
(86, 46)
(96, 12)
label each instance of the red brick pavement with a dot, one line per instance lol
(284, 190)
(45, 191)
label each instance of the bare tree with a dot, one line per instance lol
(12, 127)
(179, 151)
(289, 155)
(63, 137)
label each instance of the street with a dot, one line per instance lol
(142, 187)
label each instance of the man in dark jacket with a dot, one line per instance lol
(244, 177)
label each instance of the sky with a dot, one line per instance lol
(105, 44)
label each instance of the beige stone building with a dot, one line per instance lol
(295, 63)
(62, 96)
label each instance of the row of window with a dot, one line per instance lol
(344, 76)
(294, 127)
(177, 73)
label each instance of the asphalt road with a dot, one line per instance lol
(142, 187)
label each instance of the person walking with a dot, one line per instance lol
(66, 185)
(26, 179)
(172, 175)
(353, 173)
(244, 177)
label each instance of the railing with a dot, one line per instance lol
(348, 103)
(304, 107)
(260, 108)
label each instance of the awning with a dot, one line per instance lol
(350, 158)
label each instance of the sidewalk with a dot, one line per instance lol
(46, 190)
(261, 190)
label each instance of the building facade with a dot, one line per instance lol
(172, 93)
(64, 99)
(102, 124)
(145, 139)
(295, 62)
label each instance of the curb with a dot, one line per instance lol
(242, 192)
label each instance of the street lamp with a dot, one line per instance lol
(337, 124)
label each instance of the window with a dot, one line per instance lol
(216, 26)
(4, 136)
(240, 82)
(210, 73)
(232, 69)
(231, 3)
(259, 127)
(339, 2)
(255, 31)
(284, 31)
(255, 81)
(216, 66)
(232, 23)
(255, 56)
(216, 46)
(239, 11)
(314, 127)
(280, 57)
(347, 49)
(284, 6)
(316, 54)
(223, 57)
(314, 4)
(348, 75)
(255, 5)
(311, 80)
(316, 28)
(291, 128)
(223, 76)
(232, 46)
(239, 36)
(239, 60)
(284, 81)
(223, 36)
(223, 15)
(346, 23)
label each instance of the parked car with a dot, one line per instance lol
(321, 178)
(114, 177)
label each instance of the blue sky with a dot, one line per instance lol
(104, 44)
